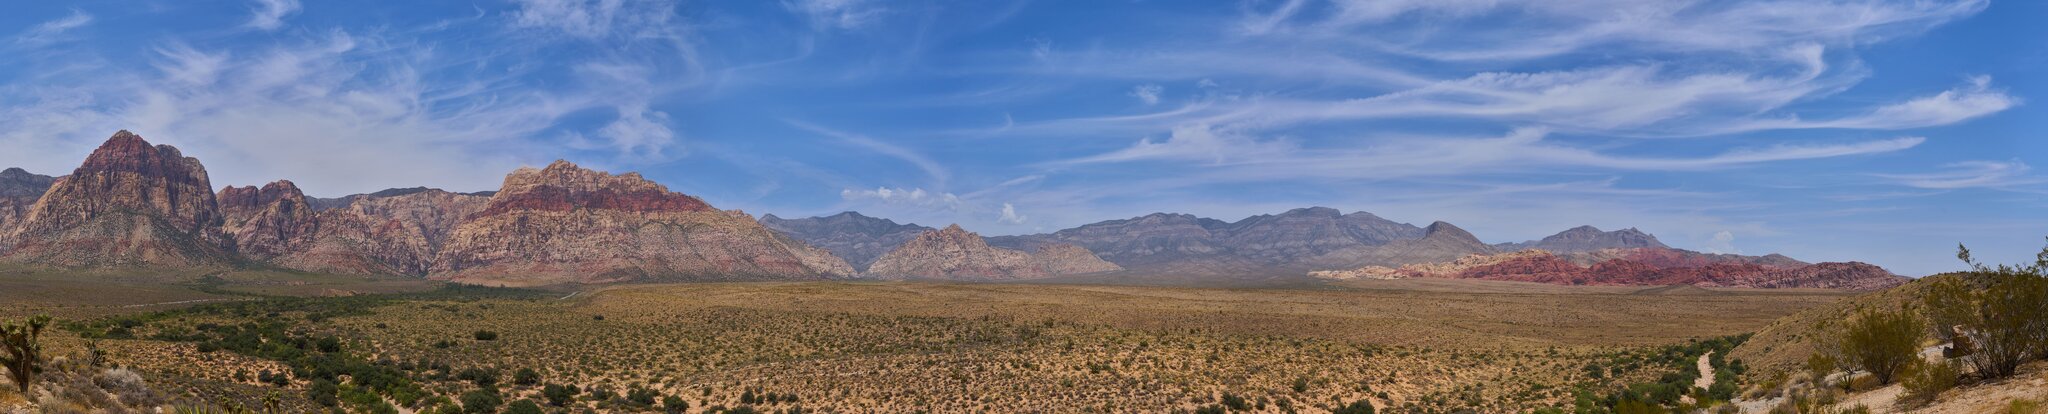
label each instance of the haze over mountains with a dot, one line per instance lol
(131, 204)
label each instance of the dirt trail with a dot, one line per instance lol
(183, 302)
(1706, 379)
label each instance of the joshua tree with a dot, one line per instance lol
(23, 343)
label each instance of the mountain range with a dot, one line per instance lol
(133, 204)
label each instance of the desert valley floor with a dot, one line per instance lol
(1411, 345)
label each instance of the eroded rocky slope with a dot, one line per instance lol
(129, 204)
(565, 223)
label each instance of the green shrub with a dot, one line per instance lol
(523, 407)
(1882, 342)
(526, 376)
(481, 402)
(1926, 380)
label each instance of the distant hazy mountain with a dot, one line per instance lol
(857, 238)
(1291, 242)
(1586, 239)
(956, 254)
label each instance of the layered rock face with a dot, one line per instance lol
(388, 232)
(129, 204)
(857, 238)
(956, 254)
(19, 190)
(569, 224)
(1587, 239)
(267, 222)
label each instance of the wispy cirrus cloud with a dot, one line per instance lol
(1531, 29)
(1233, 156)
(52, 31)
(598, 19)
(269, 15)
(937, 172)
(1974, 100)
(1971, 174)
(837, 14)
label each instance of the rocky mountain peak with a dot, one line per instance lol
(234, 199)
(1588, 239)
(267, 222)
(1441, 229)
(563, 186)
(1317, 211)
(850, 235)
(129, 203)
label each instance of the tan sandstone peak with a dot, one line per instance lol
(568, 224)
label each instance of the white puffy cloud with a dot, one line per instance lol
(1010, 216)
(1723, 242)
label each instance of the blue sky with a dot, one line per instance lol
(1880, 131)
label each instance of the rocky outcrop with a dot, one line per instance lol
(956, 254)
(1544, 267)
(1587, 239)
(1525, 262)
(1832, 275)
(267, 222)
(129, 204)
(383, 234)
(566, 224)
(19, 190)
(857, 238)
(1067, 259)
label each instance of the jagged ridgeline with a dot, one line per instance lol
(133, 204)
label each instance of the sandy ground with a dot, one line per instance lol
(1706, 379)
(2030, 384)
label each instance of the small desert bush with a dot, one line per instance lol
(1927, 380)
(1883, 342)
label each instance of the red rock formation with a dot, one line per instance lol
(1695, 270)
(569, 189)
(1541, 267)
(267, 222)
(369, 234)
(19, 190)
(956, 254)
(568, 224)
(129, 204)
